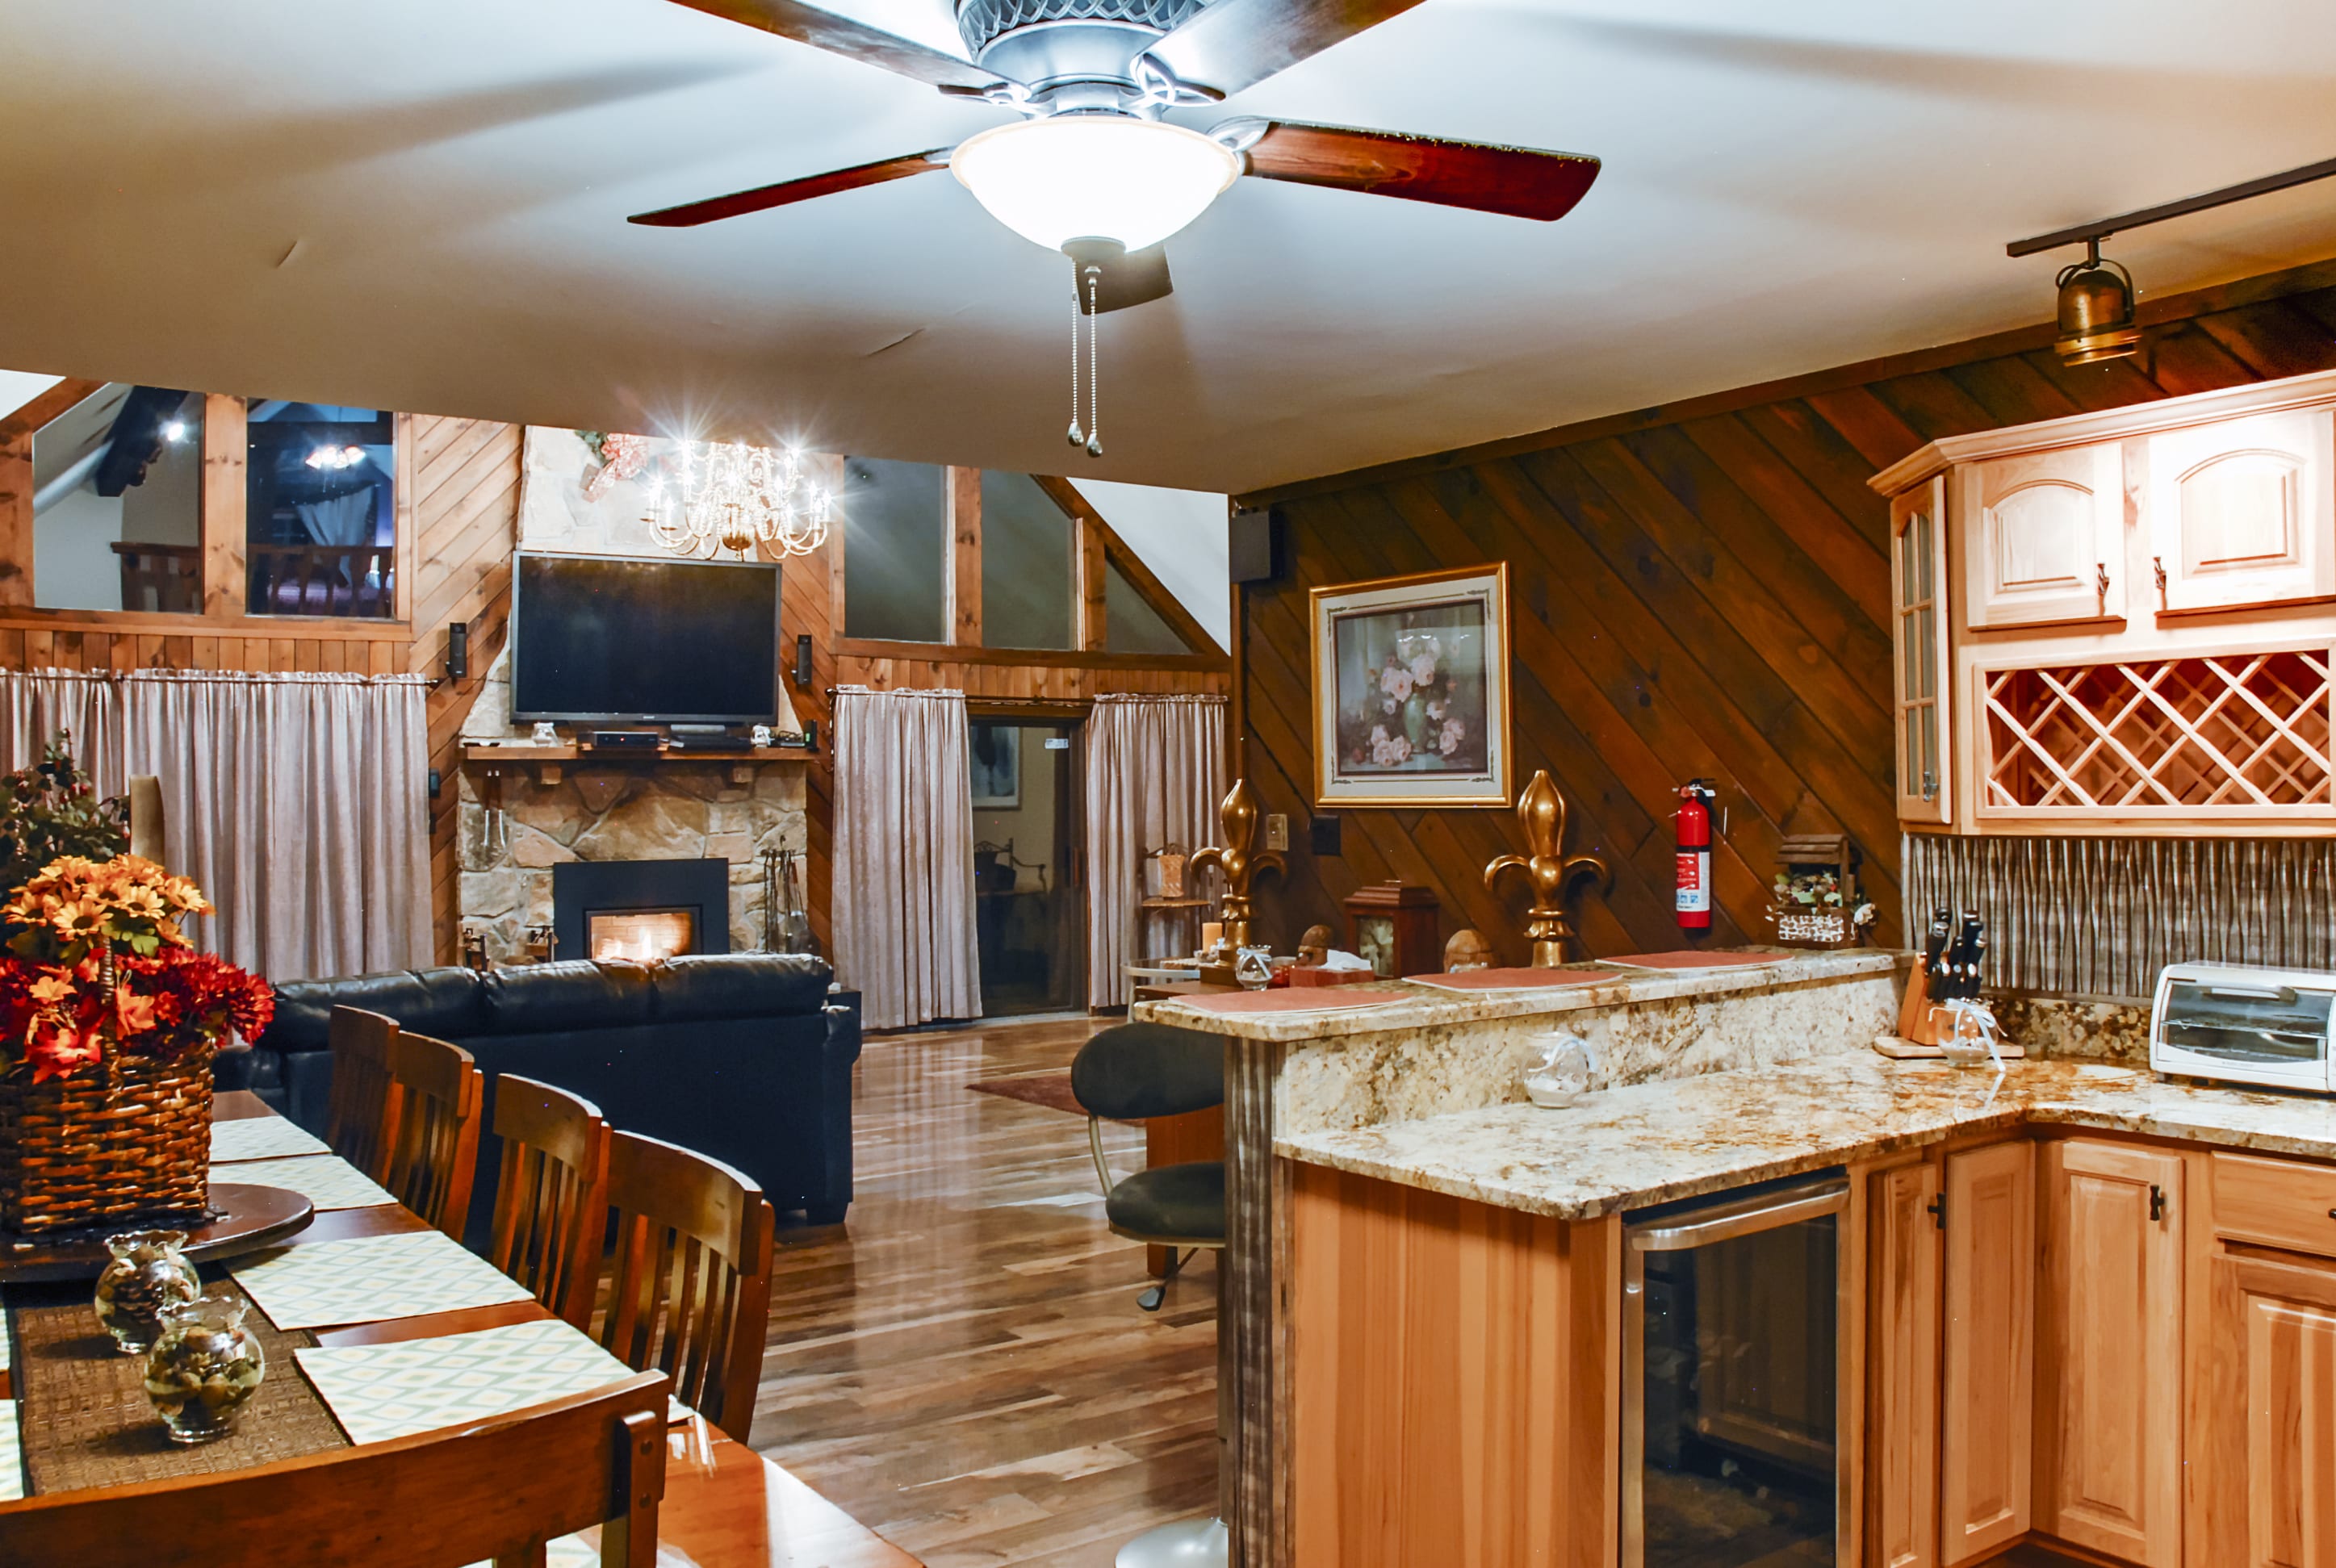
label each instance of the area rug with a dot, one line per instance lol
(1052, 1090)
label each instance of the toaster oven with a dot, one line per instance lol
(2243, 1025)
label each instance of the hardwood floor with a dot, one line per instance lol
(963, 1367)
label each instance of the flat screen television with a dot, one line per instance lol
(599, 636)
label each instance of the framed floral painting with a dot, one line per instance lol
(1411, 690)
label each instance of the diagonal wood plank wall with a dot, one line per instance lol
(1699, 591)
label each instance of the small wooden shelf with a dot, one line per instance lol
(549, 762)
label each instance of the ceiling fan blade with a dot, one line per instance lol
(1517, 181)
(853, 40)
(762, 198)
(1236, 44)
(1122, 277)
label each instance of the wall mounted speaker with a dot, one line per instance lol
(1253, 545)
(458, 650)
(803, 658)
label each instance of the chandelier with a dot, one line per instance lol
(734, 497)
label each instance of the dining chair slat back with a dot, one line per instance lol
(551, 1193)
(690, 1287)
(361, 1109)
(433, 1146)
(493, 1490)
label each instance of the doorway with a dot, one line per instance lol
(1030, 900)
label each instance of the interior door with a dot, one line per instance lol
(2108, 1472)
(2240, 512)
(1987, 1409)
(2044, 540)
(1028, 887)
(2272, 1428)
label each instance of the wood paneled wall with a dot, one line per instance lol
(462, 503)
(1697, 591)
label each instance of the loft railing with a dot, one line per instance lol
(350, 579)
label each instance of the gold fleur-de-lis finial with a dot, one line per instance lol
(1542, 810)
(1235, 857)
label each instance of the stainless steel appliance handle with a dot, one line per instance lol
(1785, 1208)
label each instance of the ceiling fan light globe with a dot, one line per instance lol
(1095, 177)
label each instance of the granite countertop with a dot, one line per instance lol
(1426, 1007)
(1652, 1143)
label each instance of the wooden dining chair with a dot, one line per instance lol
(493, 1490)
(361, 1111)
(551, 1193)
(433, 1143)
(690, 1290)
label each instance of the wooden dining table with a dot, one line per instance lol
(725, 1507)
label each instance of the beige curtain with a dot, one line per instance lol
(39, 703)
(903, 900)
(298, 803)
(1156, 774)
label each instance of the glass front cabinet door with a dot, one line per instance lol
(1918, 575)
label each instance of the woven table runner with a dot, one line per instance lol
(262, 1138)
(85, 1419)
(327, 1181)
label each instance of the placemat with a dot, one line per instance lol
(12, 1454)
(384, 1391)
(85, 1416)
(1294, 1000)
(262, 1138)
(1694, 960)
(370, 1279)
(1514, 979)
(327, 1181)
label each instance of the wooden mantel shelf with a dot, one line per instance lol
(549, 762)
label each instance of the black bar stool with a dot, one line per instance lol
(1133, 1072)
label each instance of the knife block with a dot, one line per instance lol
(1920, 1019)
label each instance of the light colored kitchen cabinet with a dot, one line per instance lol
(1902, 1387)
(1987, 1399)
(2135, 629)
(1918, 589)
(2109, 1339)
(2044, 537)
(2270, 1432)
(2241, 513)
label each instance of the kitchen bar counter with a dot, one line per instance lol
(1682, 1137)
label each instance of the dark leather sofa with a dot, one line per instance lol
(746, 1057)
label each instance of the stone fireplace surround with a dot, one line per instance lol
(636, 810)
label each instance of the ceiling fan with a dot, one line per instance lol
(1091, 166)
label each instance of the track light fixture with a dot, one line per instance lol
(2097, 313)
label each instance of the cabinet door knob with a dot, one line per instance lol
(2101, 583)
(2157, 1203)
(2157, 564)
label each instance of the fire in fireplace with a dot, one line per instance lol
(642, 936)
(641, 911)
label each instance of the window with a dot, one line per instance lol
(895, 530)
(320, 492)
(1130, 623)
(1027, 577)
(117, 503)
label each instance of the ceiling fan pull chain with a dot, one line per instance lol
(1077, 436)
(1095, 369)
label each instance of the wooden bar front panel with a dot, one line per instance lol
(1453, 1381)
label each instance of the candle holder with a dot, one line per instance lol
(1542, 810)
(1236, 859)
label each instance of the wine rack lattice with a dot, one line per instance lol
(2246, 731)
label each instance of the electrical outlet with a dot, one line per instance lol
(1277, 831)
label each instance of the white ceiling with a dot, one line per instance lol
(421, 206)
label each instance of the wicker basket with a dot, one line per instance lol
(91, 1147)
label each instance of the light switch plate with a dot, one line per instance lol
(1277, 831)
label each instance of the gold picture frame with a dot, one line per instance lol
(1411, 689)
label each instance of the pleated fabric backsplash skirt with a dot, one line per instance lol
(2099, 917)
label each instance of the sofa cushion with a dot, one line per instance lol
(740, 986)
(446, 1003)
(571, 994)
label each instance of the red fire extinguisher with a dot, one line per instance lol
(1694, 830)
